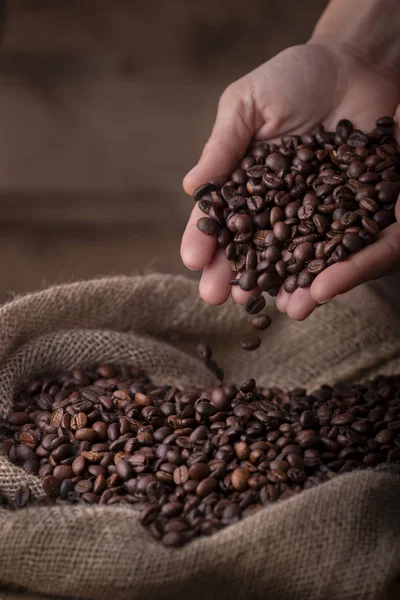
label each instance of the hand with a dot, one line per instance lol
(299, 88)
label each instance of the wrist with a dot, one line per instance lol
(368, 30)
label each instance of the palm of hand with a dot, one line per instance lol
(296, 90)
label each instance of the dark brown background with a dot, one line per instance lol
(103, 108)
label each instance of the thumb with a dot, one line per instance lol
(231, 135)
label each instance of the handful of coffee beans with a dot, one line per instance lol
(192, 462)
(321, 197)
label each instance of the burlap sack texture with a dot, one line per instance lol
(339, 541)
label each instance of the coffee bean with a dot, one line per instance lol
(307, 438)
(370, 225)
(388, 192)
(290, 284)
(62, 472)
(78, 421)
(199, 471)
(250, 343)
(352, 242)
(296, 475)
(239, 479)
(207, 226)
(181, 475)
(86, 434)
(272, 253)
(51, 486)
(124, 470)
(386, 122)
(261, 322)
(384, 218)
(206, 487)
(267, 281)
(281, 231)
(18, 418)
(344, 128)
(305, 279)
(44, 401)
(24, 453)
(248, 280)
(254, 304)
(202, 190)
(277, 163)
(28, 439)
(204, 352)
(303, 252)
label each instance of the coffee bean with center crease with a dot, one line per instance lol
(254, 304)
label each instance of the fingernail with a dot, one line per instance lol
(324, 302)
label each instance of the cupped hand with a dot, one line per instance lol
(290, 94)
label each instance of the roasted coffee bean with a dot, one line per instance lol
(202, 190)
(206, 487)
(248, 280)
(370, 226)
(199, 471)
(207, 226)
(78, 421)
(267, 281)
(290, 284)
(124, 470)
(261, 322)
(204, 352)
(303, 252)
(305, 279)
(24, 453)
(86, 434)
(62, 472)
(281, 231)
(220, 399)
(352, 242)
(51, 486)
(18, 418)
(254, 304)
(181, 475)
(250, 343)
(240, 478)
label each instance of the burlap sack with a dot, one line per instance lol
(339, 541)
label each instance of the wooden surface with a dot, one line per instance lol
(103, 108)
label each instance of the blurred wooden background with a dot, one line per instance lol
(104, 106)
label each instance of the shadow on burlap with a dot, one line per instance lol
(339, 541)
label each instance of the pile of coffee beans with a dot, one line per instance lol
(192, 462)
(320, 197)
